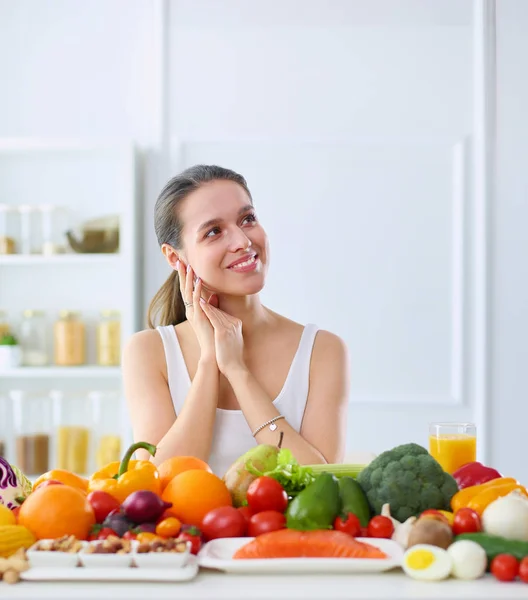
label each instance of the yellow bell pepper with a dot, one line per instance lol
(481, 501)
(65, 477)
(120, 479)
(462, 498)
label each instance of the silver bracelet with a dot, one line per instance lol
(271, 424)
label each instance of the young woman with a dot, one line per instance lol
(221, 372)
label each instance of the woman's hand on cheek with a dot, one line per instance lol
(229, 343)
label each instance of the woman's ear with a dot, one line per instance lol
(172, 256)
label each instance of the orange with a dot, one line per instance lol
(171, 467)
(56, 510)
(194, 493)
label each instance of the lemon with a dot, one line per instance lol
(6, 516)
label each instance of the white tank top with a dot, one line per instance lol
(232, 435)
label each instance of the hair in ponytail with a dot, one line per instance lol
(167, 306)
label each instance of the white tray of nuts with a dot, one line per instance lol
(112, 559)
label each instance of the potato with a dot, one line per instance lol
(430, 531)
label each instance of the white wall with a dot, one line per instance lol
(361, 110)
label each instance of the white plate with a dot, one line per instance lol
(185, 573)
(217, 554)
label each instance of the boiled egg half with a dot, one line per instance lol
(427, 562)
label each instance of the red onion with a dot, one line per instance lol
(144, 506)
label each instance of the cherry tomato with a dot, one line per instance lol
(101, 533)
(466, 521)
(380, 527)
(504, 567)
(265, 493)
(193, 535)
(224, 522)
(102, 504)
(130, 535)
(266, 521)
(350, 524)
(245, 511)
(48, 482)
(169, 527)
(431, 513)
(523, 570)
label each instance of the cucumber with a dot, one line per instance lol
(494, 544)
(353, 499)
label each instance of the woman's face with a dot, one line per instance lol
(222, 239)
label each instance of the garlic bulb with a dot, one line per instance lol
(401, 530)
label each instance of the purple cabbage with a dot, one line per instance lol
(11, 492)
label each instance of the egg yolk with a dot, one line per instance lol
(421, 559)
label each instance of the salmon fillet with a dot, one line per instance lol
(289, 543)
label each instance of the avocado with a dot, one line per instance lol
(317, 506)
(353, 500)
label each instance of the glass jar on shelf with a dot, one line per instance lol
(32, 428)
(107, 408)
(72, 418)
(30, 240)
(33, 338)
(109, 339)
(53, 220)
(5, 328)
(69, 335)
(8, 237)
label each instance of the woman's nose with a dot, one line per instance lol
(239, 241)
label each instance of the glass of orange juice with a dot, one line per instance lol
(453, 444)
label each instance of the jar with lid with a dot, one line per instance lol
(30, 238)
(69, 335)
(109, 339)
(32, 426)
(72, 417)
(54, 227)
(107, 413)
(8, 244)
(4, 324)
(33, 336)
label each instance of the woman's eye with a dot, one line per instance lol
(250, 218)
(213, 231)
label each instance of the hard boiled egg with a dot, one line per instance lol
(427, 562)
(469, 559)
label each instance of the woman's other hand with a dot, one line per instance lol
(229, 343)
(194, 312)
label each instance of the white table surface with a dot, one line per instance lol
(214, 585)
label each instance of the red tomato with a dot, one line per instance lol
(103, 504)
(245, 511)
(504, 567)
(223, 522)
(350, 524)
(265, 522)
(466, 520)
(101, 533)
(265, 493)
(431, 513)
(193, 535)
(129, 535)
(523, 570)
(380, 527)
(48, 482)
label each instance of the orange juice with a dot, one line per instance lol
(452, 450)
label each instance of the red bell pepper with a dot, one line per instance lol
(474, 473)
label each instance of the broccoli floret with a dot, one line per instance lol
(409, 479)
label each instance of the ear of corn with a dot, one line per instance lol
(13, 537)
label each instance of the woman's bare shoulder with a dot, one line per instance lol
(144, 346)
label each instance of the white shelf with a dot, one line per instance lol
(61, 372)
(57, 259)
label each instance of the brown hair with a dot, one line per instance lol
(167, 304)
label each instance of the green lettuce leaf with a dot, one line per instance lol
(290, 474)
